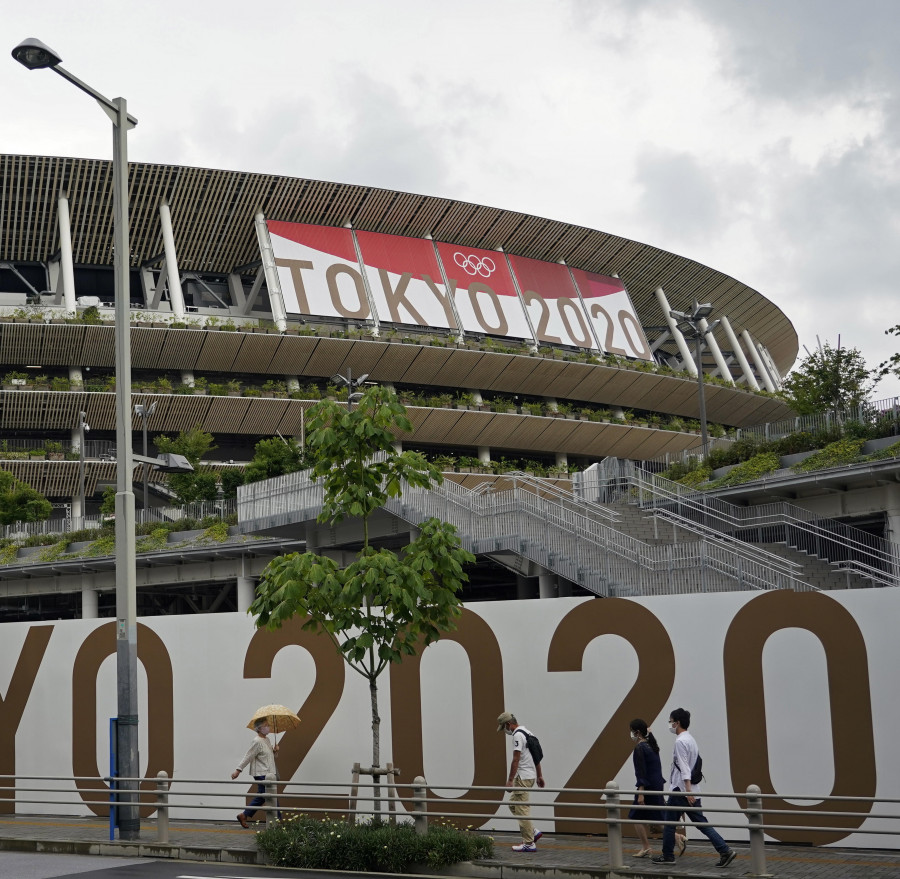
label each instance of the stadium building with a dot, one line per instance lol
(512, 338)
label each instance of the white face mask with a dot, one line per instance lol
(672, 729)
(508, 731)
(634, 736)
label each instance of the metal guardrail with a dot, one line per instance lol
(591, 810)
(198, 510)
(102, 449)
(560, 538)
(870, 557)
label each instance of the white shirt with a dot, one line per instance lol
(260, 756)
(526, 761)
(683, 760)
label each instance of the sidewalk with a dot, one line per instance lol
(566, 857)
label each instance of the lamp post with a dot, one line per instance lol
(689, 325)
(83, 427)
(35, 55)
(351, 383)
(143, 411)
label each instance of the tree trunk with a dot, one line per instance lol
(376, 746)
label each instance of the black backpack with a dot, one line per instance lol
(697, 771)
(533, 745)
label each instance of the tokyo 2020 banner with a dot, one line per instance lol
(334, 272)
(794, 692)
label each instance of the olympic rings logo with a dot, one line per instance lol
(475, 265)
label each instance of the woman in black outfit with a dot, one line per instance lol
(647, 776)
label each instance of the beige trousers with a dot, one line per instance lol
(518, 805)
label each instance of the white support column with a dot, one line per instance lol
(680, 341)
(758, 361)
(67, 266)
(75, 376)
(484, 454)
(276, 299)
(398, 446)
(739, 353)
(770, 363)
(89, 608)
(292, 382)
(713, 346)
(562, 459)
(768, 370)
(246, 592)
(176, 295)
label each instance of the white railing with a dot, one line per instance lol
(870, 557)
(556, 536)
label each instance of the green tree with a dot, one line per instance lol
(231, 479)
(829, 378)
(108, 502)
(276, 457)
(201, 485)
(20, 502)
(892, 364)
(383, 605)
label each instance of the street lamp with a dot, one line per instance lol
(350, 383)
(689, 325)
(143, 411)
(83, 427)
(35, 55)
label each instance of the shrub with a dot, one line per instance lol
(845, 451)
(892, 451)
(312, 843)
(753, 468)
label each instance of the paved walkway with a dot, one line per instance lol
(559, 856)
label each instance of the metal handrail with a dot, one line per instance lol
(801, 529)
(560, 538)
(595, 809)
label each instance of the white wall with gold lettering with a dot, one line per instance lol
(794, 692)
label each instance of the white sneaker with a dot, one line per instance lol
(538, 834)
(525, 847)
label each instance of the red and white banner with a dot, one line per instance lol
(405, 280)
(552, 301)
(484, 291)
(318, 270)
(612, 315)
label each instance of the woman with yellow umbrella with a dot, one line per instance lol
(260, 756)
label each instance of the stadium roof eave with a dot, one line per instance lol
(212, 214)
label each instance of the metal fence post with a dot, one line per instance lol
(270, 803)
(162, 806)
(614, 831)
(757, 835)
(420, 807)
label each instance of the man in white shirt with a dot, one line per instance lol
(522, 774)
(260, 757)
(684, 793)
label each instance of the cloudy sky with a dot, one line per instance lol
(761, 138)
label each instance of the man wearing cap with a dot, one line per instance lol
(522, 775)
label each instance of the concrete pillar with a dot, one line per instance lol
(398, 446)
(739, 353)
(89, 609)
(552, 404)
(75, 376)
(713, 345)
(562, 459)
(292, 382)
(246, 592)
(547, 585)
(66, 265)
(77, 512)
(484, 454)
(686, 356)
(758, 361)
(176, 296)
(477, 399)
(187, 377)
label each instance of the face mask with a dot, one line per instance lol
(672, 730)
(264, 729)
(508, 731)
(634, 736)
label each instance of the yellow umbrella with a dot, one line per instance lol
(279, 718)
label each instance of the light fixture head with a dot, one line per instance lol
(169, 462)
(35, 55)
(337, 378)
(361, 379)
(701, 312)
